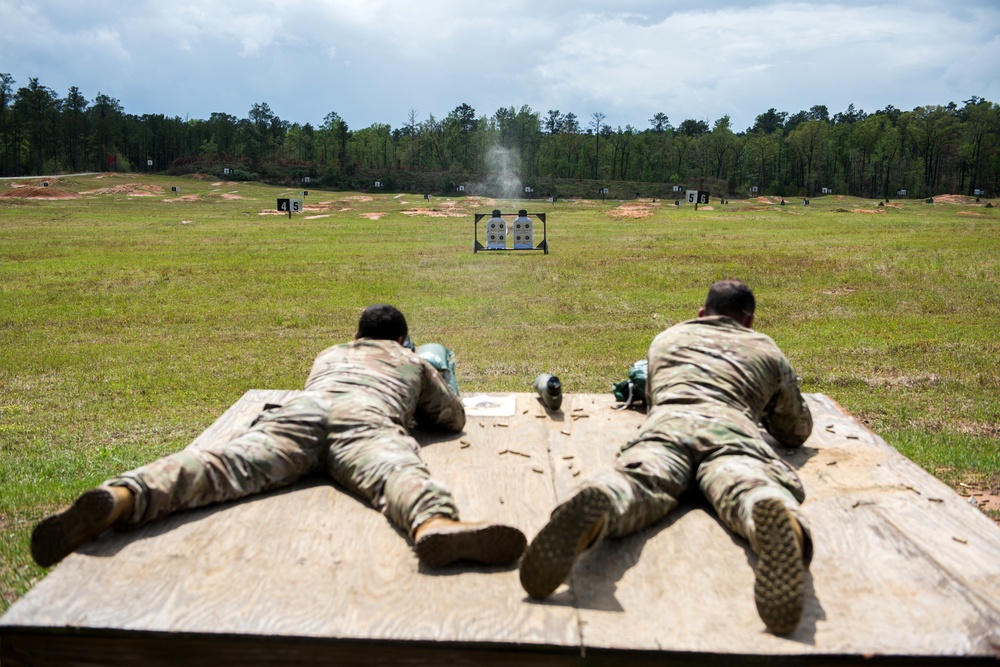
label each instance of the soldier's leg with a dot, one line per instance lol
(280, 447)
(734, 483)
(760, 500)
(381, 464)
(648, 477)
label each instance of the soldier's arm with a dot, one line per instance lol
(438, 404)
(786, 416)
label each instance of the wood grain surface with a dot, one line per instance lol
(903, 568)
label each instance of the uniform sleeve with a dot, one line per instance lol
(438, 405)
(786, 415)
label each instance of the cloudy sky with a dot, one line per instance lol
(372, 61)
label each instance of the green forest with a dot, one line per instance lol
(929, 150)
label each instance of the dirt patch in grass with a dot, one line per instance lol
(316, 217)
(132, 190)
(114, 174)
(762, 200)
(373, 216)
(953, 199)
(184, 198)
(227, 195)
(840, 291)
(271, 211)
(868, 211)
(984, 495)
(634, 210)
(432, 212)
(358, 198)
(906, 381)
(979, 214)
(30, 192)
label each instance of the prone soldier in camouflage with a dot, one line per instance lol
(350, 421)
(711, 381)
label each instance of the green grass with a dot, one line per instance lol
(128, 324)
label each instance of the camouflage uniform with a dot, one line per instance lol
(351, 422)
(710, 381)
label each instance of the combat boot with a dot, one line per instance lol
(779, 590)
(440, 541)
(572, 529)
(57, 536)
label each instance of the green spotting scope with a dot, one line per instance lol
(549, 388)
(442, 359)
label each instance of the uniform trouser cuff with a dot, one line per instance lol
(140, 498)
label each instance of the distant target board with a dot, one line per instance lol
(520, 231)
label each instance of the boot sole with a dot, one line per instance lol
(490, 544)
(550, 556)
(779, 590)
(59, 535)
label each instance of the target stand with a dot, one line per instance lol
(519, 233)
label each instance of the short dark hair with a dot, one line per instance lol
(383, 322)
(731, 298)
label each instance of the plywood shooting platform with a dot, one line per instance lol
(905, 572)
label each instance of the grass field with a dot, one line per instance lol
(129, 323)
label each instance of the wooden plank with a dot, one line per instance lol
(886, 563)
(903, 566)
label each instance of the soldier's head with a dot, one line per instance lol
(731, 298)
(382, 322)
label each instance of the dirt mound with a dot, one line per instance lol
(954, 199)
(318, 208)
(634, 210)
(432, 212)
(373, 216)
(762, 200)
(136, 190)
(30, 192)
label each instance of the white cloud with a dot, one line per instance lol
(700, 60)
(629, 59)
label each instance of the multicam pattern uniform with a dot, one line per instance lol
(710, 381)
(351, 422)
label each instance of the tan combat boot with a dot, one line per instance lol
(57, 536)
(571, 530)
(779, 590)
(440, 541)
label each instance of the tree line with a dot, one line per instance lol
(929, 150)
